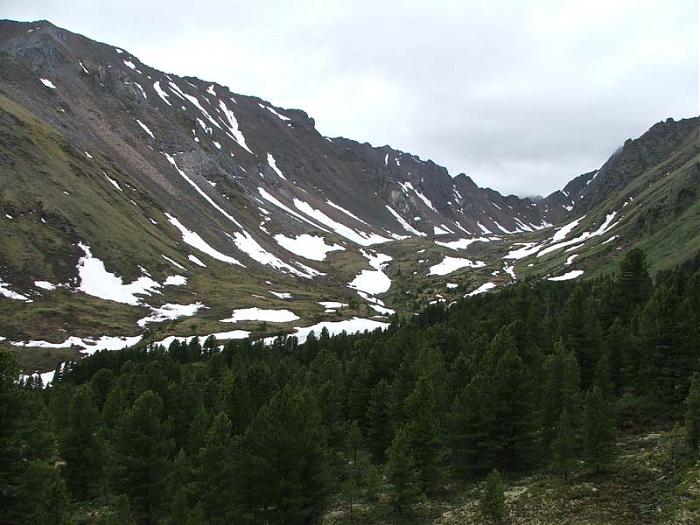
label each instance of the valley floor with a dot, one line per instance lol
(646, 485)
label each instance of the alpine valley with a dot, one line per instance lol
(137, 205)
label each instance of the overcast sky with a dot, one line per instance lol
(521, 95)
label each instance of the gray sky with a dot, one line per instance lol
(521, 95)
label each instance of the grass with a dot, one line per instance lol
(642, 487)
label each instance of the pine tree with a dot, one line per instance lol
(143, 447)
(565, 446)
(379, 421)
(425, 433)
(616, 347)
(82, 447)
(37, 436)
(41, 497)
(508, 408)
(216, 475)
(180, 507)
(598, 431)
(402, 472)
(350, 488)
(692, 413)
(467, 434)
(354, 440)
(10, 425)
(562, 379)
(493, 503)
(101, 383)
(282, 460)
(603, 375)
(633, 282)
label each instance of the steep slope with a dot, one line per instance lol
(137, 203)
(120, 180)
(646, 195)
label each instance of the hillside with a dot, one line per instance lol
(137, 204)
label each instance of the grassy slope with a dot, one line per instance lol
(42, 167)
(643, 486)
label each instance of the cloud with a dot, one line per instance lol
(522, 96)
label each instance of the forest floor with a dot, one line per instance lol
(650, 482)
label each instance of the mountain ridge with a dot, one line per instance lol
(108, 161)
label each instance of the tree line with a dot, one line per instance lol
(537, 375)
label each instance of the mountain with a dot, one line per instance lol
(139, 203)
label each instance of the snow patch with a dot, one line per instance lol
(6, 292)
(95, 280)
(112, 181)
(197, 261)
(373, 281)
(176, 264)
(452, 264)
(273, 164)
(406, 226)
(350, 326)
(145, 128)
(481, 289)
(170, 312)
(461, 244)
(175, 280)
(259, 314)
(45, 285)
(234, 131)
(87, 345)
(308, 246)
(194, 240)
(162, 94)
(273, 200)
(361, 238)
(562, 232)
(526, 248)
(331, 305)
(573, 274)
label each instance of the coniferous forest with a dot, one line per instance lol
(538, 376)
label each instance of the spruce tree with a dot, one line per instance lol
(565, 446)
(633, 282)
(493, 503)
(180, 508)
(143, 446)
(509, 413)
(467, 434)
(561, 389)
(378, 434)
(216, 476)
(598, 431)
(402, 473)
(282, 460)
(42, 497)
(10, 426)
(101, 383)
(82, 447)
(692, 413)
(426, 434)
